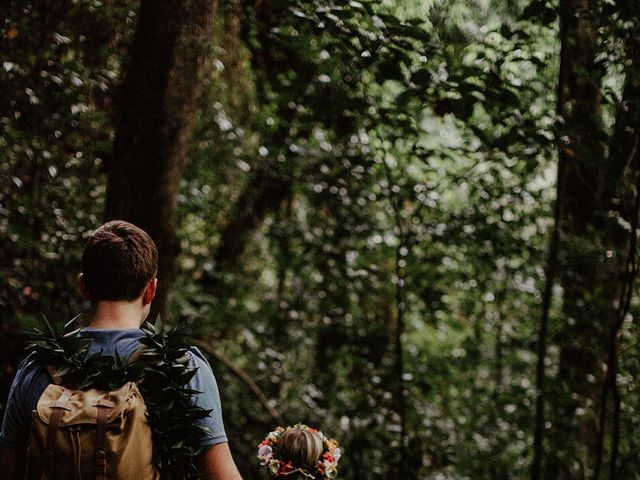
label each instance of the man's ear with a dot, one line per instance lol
(149, 291)
(82, 288)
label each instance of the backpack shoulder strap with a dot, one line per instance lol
(58, 406)
(101, 427)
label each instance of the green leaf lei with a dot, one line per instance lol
(162, 373)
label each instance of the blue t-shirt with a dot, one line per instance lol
(32, 379)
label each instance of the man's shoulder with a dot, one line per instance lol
(30, 381)
(203, 380)
(197, 357)
(198, 361)
(29, 367)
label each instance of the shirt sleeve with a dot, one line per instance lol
(208, 399)
(28, 384)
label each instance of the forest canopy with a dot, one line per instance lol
(412, 224)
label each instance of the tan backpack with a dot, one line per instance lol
(90, 434)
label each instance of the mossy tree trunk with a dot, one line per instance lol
(157, 108)
(593, 245)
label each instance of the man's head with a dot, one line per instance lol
(118, 264)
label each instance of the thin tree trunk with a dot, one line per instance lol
(573, 425)
(400, 399)
(547, 298)
(612, 356)
(543, 333)
(623, 157)
(592, 246)
(615, 434)
(405, 244)
(157, 109)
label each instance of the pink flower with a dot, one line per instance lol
(336, 454)
(264, 454)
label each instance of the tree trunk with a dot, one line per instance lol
(264, 195)
(623, 159)
(157, 109)
(543, 334)
(591, 250)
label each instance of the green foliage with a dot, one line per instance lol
(417, 160)
(162, 373)
(410, 144)
(171, 415)
(60, 67)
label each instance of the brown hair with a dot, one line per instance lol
(118, 261)
(300, 447)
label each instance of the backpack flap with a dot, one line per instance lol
(82, 407)
(90, 434)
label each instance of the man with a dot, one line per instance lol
(119, 267)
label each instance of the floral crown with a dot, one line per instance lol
(325, 468)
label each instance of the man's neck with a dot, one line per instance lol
(116, 315)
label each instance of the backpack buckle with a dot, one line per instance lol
(101, 456)
(58, 404)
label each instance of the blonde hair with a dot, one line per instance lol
(300, 447)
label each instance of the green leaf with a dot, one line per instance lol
(71, 322)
